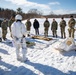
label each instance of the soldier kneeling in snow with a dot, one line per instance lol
(18, 34)
(67, 45)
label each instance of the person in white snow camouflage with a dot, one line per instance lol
(18, 31)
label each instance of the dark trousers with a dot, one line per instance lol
(36, 31)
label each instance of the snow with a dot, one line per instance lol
(43, 59)
(64, 46)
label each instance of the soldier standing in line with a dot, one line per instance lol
(46, 27)
(62, 27)
(4, 26)
(54, 27)
(28, 27)
(71, 25)
(12, 19)
(36, 26)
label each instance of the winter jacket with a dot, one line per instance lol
(71, 23)
(54, 25)
(28, 25)
(46, 24)
(63, 24)
(10, 22)
(36, 24)
(18, 29)
(4, 25)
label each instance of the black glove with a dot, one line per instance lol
(23, 36)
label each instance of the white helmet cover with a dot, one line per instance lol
(18, 17)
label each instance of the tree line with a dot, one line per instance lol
(32, 13)
(7, 13)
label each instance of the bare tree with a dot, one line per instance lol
(51, 13)
(34, 11)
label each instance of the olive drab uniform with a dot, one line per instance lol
(4, 26)
(46, 27)
(28, 27)
(71, 29)
(54, 27)
(62, 28)
(10, 23)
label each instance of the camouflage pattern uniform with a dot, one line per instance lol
(4, 26)
(62, 28)
(10, 23)
(71, 29)
(28, 27)
(46, 27)
(54, 27)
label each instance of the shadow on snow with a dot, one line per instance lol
(14, 70)
(4, 51)
(48, 70)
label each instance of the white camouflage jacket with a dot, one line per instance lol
(18, 29)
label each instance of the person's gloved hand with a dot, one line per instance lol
(23, 36)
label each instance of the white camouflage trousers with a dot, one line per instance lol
(20, 43)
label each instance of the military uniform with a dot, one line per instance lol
(28, 27)
(54, 27)
(71, 29)
(46, 28)
(4, 26)
(62, 28)
(10, 23)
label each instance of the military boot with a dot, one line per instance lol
(61, 36)
(56, 36)
(28, 35)
(0, 39)
(64, 35)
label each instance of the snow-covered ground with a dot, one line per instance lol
(43, 59)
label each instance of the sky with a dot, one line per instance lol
(45, 6)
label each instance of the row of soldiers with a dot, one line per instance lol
(4, 25)
(54, 27)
